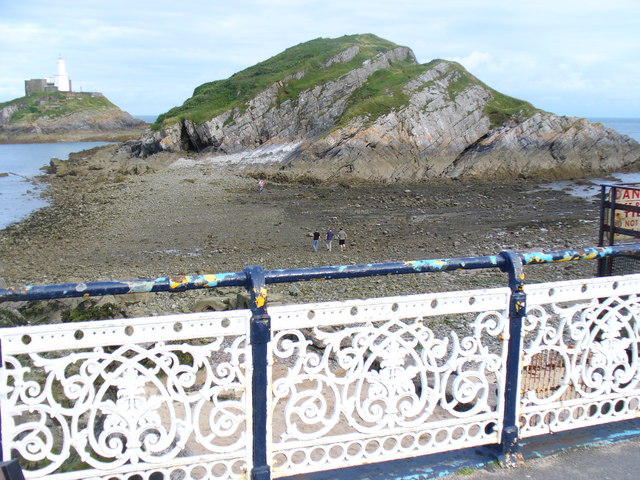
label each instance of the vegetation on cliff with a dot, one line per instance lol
(54, 104)
(66, 117)
(213, 98)
(307, 65)
(382, 93)
(501, 108)
(360, 107)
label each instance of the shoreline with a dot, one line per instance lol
(22, 169)
(109, 219)
(119, 135)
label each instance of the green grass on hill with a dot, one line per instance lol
(214, 98)
(501, 108)
(55, 104)
(504, 108)
(382, 93)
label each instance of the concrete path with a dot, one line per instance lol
(613, 461)
(604, 452)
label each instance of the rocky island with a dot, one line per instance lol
(66, 117)
(360, 108)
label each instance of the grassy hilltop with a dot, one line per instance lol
(55, 104)
(65, 117)
(383, 91)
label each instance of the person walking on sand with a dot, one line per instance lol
(329, 239)
(260, 186)
(342, 239)
(316, 239)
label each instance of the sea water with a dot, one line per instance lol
(20, 164)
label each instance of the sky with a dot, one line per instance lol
(569, 57)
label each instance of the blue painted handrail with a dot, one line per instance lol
(190, 282)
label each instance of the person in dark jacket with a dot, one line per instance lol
(329, 239)
(316, 238)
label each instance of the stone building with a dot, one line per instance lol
(59, 83)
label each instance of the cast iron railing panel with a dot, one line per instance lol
(371, 380)
(105, 399)
(581, 365)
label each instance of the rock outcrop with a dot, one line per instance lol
(66, 120)
(386, 118)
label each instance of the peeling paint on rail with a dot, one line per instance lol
(593, 253)
(182, 283)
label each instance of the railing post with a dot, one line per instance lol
(608, 195)
(602, 261)
(508, 454)
(259, 337)
(11, 470)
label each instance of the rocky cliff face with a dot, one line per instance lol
(391, 119)
(104, 123)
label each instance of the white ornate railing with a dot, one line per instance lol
(581, 365)
(348, 383)
(381, 379)
(108, 399)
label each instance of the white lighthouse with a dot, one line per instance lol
(61, 79)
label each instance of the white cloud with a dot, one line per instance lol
(150, 55)
(475, 60)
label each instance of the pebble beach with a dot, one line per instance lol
(200, 215)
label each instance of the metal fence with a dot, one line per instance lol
(619, 223)
(304, 388)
